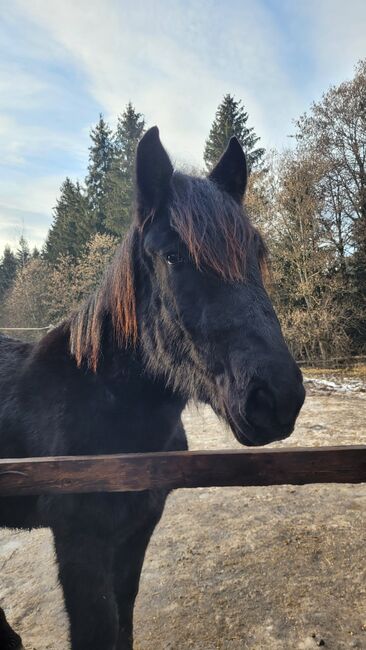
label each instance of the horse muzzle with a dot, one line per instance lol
(264, 411)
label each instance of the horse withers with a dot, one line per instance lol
(181, 314)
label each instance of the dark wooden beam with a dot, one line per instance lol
(126, 472)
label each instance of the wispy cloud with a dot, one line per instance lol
(26, 208)
(176, 60)
(16, 223)
(63, 62)
(336, 37)
(19, 142)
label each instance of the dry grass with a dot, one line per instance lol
(357, 371)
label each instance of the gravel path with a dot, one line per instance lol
(277, 568)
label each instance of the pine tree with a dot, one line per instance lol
(231, 119)
(23, 253)
(72, 225)
(130, 129)
(8, 269)
(120, 178)
(101, 154)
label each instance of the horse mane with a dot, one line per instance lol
(114, 298)
(213, 226)
(217, 234)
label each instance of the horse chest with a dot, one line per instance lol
(133, 424)
(112, 434)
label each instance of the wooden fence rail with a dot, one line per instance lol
(130, 472)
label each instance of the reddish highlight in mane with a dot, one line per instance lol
(123, 296)
(114, 299)
(212, 225)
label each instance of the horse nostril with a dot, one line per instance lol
(260, 407)
(288, 409)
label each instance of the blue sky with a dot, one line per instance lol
(61, 63)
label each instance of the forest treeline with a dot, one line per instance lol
(309, 201)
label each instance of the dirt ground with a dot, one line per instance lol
(277, 568)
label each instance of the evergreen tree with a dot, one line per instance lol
(8, 269)
(101, 154)
(72, 225)
(130, 129)
(23, 253)
(120, 178)
(231, 119)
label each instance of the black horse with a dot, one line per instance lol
(182, 314)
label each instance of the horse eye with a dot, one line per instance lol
(173, 258)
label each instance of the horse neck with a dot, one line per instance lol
(125, 370)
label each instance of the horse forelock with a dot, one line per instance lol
(212, 225)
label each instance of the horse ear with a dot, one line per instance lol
(231, 172)
(153, 173)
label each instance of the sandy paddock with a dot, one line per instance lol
(277, 568)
